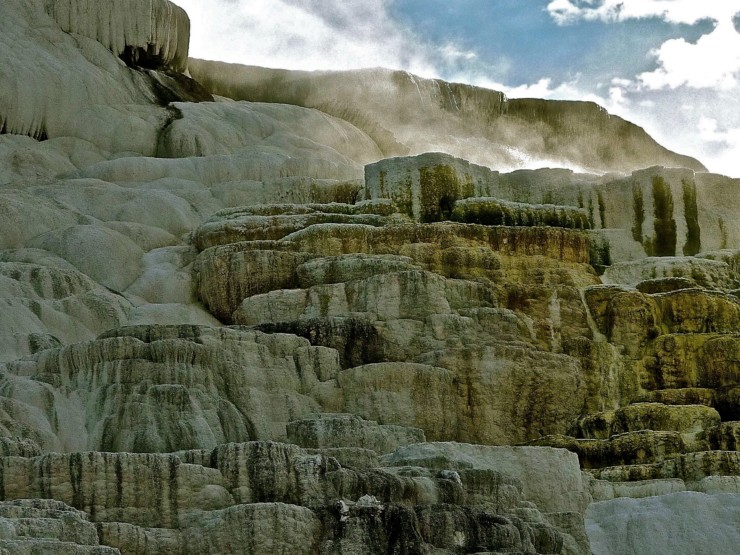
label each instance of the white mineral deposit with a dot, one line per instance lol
(266, 311)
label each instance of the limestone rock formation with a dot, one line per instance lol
(235, 325)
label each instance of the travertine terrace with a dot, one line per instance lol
(246, 310)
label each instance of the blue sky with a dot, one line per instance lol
(518, 42)
(671, 66)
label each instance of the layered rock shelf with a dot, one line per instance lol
(246, 310)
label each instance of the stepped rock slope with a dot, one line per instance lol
(235, 325)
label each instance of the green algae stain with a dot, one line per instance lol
(404, 200)
(722, 233)
(602, 209)
(468, 188)
(440, 188)
(591, 220)
(691, 213)
(638, 211)
(664, 242)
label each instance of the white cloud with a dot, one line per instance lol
(713, 62)
(710, 131)
(566, 12)
(724, 143)
(543, 88)
(312, 34)
(704, 124)
(620, 82)
(452, 53)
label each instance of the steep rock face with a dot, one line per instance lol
(692, 272)
(493, 211)
(276, 221)
(336, 431)
(392, 393)
(674, 212)
(550, 477)
(243, 142)
(677, 353)
(209, 129)
(452, 250)
(689, 420)
(424, 113)
(448, 319)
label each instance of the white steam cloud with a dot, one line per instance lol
(314, 34)
(350, 34)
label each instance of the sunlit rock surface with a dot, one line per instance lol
(235, 325)
(59, 84)
(148, 33)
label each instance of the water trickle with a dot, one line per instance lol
(598, 337)
(451, 95)
(416, 84)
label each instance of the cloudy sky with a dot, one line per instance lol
(671, 66)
